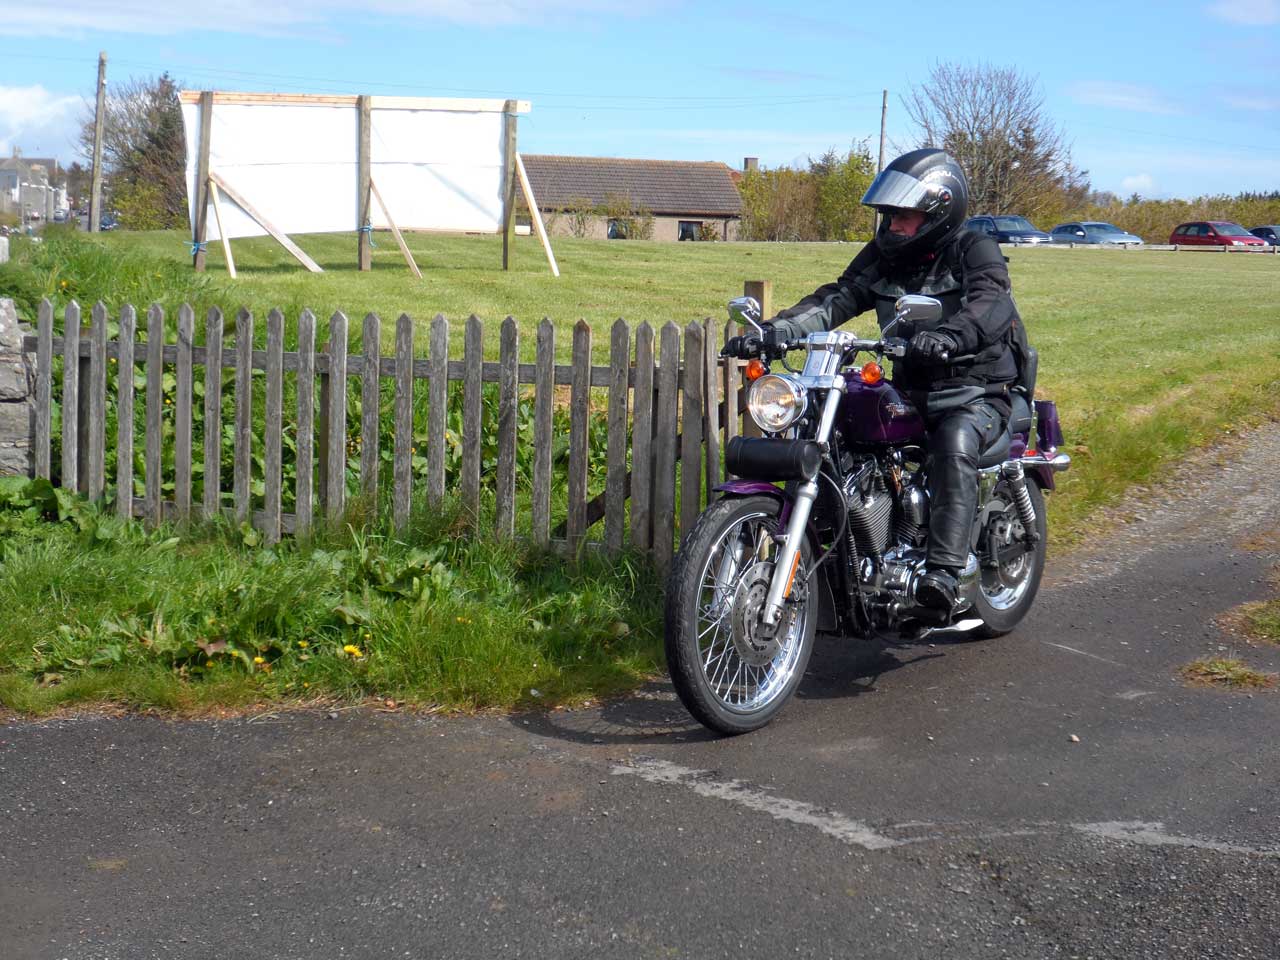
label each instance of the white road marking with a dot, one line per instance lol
(780, 808)
(1154, 835)
(857, 833)
(1083, 653)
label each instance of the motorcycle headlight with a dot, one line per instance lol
(776, 402)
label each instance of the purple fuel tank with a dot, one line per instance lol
(877, 413)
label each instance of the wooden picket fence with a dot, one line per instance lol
(666, 421)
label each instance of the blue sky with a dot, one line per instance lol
(1167, 99)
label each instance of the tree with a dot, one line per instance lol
(841, 183)
(143, 152)
(993, 121)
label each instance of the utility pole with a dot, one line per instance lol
(95, 197)
(884, 109)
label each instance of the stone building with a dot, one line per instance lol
(687, 200)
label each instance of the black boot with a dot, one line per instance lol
(938, 589)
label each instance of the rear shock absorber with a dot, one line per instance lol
(1013, 475)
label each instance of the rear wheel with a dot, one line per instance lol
(1008, 586)
(730, 672)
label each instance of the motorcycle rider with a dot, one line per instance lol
(959, 369)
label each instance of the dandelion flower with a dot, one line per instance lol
(353, 650)
(303, 644)
(259, 659)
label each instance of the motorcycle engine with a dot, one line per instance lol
(870, 506)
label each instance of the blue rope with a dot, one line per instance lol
(197, 246)
(368, 228)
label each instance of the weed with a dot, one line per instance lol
(1227, 672)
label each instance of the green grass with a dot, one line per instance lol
(1148, 354)
(1262, 619)
(96, 609)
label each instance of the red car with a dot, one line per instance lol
(1214, 233)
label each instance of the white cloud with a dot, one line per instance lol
(85, 17)
(1142, 183)
(41, 123)
(1253, 102)
(1249, 13)
(1121, 96)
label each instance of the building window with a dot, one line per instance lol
(689, 229)
(617, 229)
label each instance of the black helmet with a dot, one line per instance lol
(927, 180)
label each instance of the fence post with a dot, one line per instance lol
(306, 382)
(70, 396)
(243, 446)
(691, 414)
(370, 409)
(579, 439)
(616, 477)
(642, 442)
(472, 411)
(154, 416)
(508, 408)
(543, 390)
(666, 427)
(95, 396)
(212, 411)
(273, 429)
(16, 409)
(402, 464)
(125, 343)
(183, 383)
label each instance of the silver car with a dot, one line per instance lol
(1093, 231)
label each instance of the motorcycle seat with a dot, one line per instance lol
(1019, 422)
(1020, 418)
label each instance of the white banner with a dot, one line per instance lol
(437, 164)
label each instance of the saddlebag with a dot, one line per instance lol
(762, 458)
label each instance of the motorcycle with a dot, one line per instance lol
(840, 545)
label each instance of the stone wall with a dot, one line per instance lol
(17, 387)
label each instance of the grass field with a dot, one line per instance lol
(1147, 353)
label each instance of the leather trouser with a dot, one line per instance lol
(956, 441)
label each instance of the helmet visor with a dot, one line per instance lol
(893, 188)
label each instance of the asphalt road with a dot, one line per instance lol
(921, 802)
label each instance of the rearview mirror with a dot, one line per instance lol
(746, 310)
(914, 308)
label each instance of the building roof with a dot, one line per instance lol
(664, 187)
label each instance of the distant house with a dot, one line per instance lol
(687, 200)
(28, 183)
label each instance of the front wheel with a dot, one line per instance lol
(1009, 577)
(731, 673)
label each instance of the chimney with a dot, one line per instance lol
(750, 163)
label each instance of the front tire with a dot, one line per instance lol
(1005, 594)
(733, 677)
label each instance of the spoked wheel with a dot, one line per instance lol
(1008, 587)
(731, 672)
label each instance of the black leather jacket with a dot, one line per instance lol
(967, 274)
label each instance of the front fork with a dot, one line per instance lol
(784, 571)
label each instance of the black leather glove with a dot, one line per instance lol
(742, 347)
(751, 344)
(933, 346)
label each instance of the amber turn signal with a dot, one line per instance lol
(872, 372)
(755, 370)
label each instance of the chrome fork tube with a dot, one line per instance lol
(805, 496)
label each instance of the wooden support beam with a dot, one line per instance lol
(527, 189)
(365, 243)
(404, 247)
(215, 196)
(201, 226)
(508, 182)
(266, 224)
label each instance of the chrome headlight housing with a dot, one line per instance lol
(776, 402)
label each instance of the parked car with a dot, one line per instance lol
(1270, 234)
(107, 222)
(1007, 229)
(1214, 233)
(59, 216)
(1093, 231)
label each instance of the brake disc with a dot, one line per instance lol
(756, 643)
